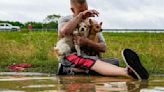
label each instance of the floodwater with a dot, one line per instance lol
(36, 82)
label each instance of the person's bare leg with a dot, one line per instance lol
(109, 69)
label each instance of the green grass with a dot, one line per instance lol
(33, 47)
(36, 48)
(149, 46)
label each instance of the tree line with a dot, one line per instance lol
(50, 22)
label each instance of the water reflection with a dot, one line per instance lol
(76, 84)
(101, 84)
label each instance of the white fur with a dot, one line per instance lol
(65, 44)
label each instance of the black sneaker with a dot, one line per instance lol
(63, 70)
(135, 68)
(60, 69)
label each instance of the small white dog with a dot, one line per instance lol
(64, 45)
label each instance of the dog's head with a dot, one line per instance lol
(83, 28)
(95, 26)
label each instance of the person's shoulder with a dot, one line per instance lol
(65, 18)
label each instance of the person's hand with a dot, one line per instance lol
(80, 40)
(89, 13)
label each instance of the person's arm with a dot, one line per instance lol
(68, 27)
(100, 46)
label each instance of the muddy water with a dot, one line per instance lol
(36, 82)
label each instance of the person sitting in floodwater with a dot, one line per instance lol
(85, 63)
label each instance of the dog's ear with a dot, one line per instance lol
(78, 26)
(101, 23)
(72, 9)
(90, 21)
(55, 50)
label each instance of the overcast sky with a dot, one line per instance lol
(114, 13)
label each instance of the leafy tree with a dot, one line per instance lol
(51, 21)
(52, 17)
(35, 25)
(52, 25)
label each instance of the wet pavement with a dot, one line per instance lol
(38, 82)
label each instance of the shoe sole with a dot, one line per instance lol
(135, 65)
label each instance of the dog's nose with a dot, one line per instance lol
(82, 29)
(101, 30)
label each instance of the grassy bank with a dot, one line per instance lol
(35, 48)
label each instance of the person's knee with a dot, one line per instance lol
(116, 62)
(113, 61)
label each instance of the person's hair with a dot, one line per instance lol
(78, 1)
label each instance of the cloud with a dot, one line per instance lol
(130, 13)
(31, 10)
(113, 13)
